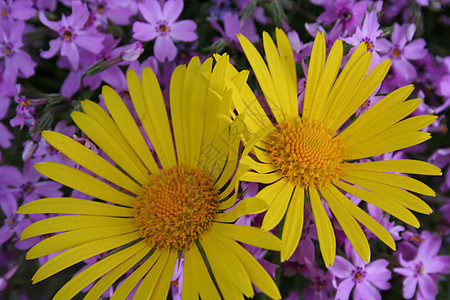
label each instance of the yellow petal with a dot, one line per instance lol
(176, 109)
(96, 270)
(326, 81)
(325, 232)
(379, 122)
(83, 182)
(128, 127)
(269, 193)
(395, 180)
(81, 252)
(74, 206)
(230, 275)
(293, 224)
(163, 284)
(370, 223)
(278, 208)
(341, 80)
(391, 207)
(341, 93)
(367, 87)
(248, 235)
(409, 166)
(91, 161)
(351, 228)
(258, 275)
(131, 281)
(119, 151)
(316, 65)
(195, 269)
(108, 279)
(148, 283)
(247, 206)
(379, 109)
(260, 178)
(390, 193)
(72, 222)
(280, 78)
(75, 238)
(263, 76)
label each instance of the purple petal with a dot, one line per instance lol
(231, 24)
(405, 69)
(172, 10)
(22, 10)
(54, 47)
(404, 271)
(5, 136)
(150, 10)
(114, 77)
(90, 42)
(409, 287)
(24, 63)
(415, 49)
(54, 25)
(80, 15)
(435, 265)
(344, 289)
(183, 31)
(366, 291)
(47, 189)
(384, 46)
(164, 48)
(8, 204)
(70, 51)
(11, 176)
(144, 31)
(341, 268)
(427, 287)
(71, 84)
(430, 246)
(5, 233)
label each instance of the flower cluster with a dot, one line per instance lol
(229, 149)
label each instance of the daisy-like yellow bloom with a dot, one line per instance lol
(148, 213)
(313, 157)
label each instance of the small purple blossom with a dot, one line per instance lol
(367, 279)
(24, 113)
(72, 35)
(401, 49)
(162, 26)
(16, 61)
(115, 10)
(11, 10)
(420, 272)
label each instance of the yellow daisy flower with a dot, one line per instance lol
(314, 157)
(148, 212)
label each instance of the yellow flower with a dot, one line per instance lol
(149, 212)
(314, 157)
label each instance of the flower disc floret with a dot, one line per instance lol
(175, 208)
(305, 153)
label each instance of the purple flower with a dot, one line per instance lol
(368, 33)
(401, 49)
(24, 113)
(5, 135)
(347, 13)
(422, 270)
(72, 35)
(232, 26)
(16, 10)
(365, 278)
(162, 26)
(16, 61)
(301, 50)
(27, 185)
(441, 158)
(321, 286)
(115, 10)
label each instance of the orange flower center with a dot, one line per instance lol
(305, 153)
(175, 208)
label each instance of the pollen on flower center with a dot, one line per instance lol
(175, 208)
(305, 153)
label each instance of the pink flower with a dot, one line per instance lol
(162, 26)
(422, 270)
(365, 278)
(72, 35)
